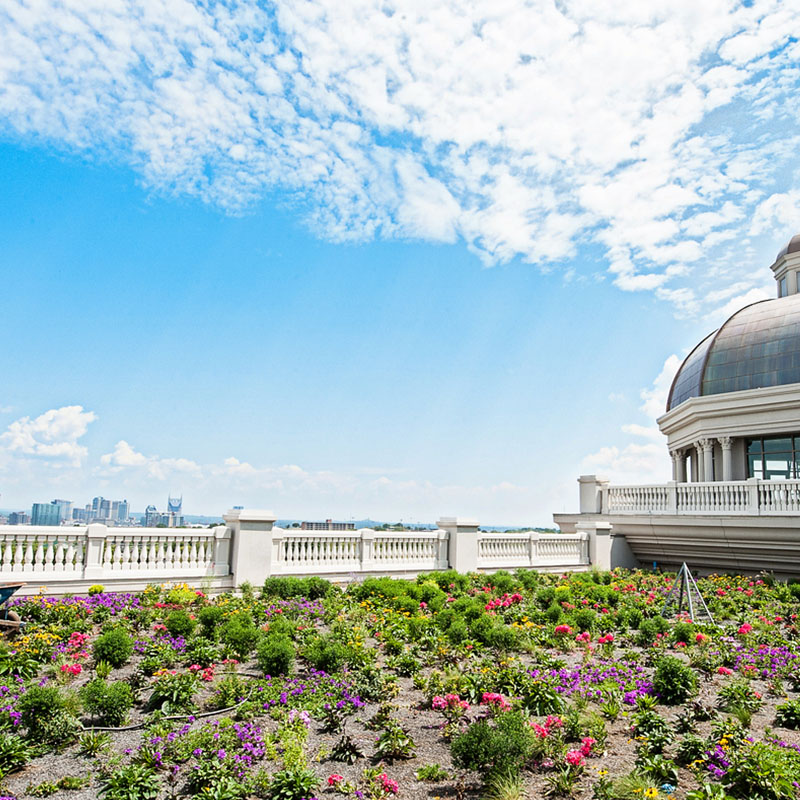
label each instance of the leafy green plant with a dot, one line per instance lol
(134, 782)
(14, 753)
(210, 617)
(293, 784)
(179, 623)
(787, 715)
(394, 742)
(739, 695)
(92, 743)
(690, 748)
(432, 773)
(240, 634)
(174, 692)
(276, 655)
(108, 702)
(114, 647)
(346, 750)
(673, 681)
(493, 747)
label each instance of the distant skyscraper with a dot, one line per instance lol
(45, 514)
(174, 505)
(65, 509)
(18, 518)
(96, 503)
(123, 511)
(151, 517)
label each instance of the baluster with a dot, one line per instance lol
(193, 554)
(7, 554)
(69, 555)
(38, 558)
(55, 556)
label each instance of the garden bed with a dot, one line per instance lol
(502, 687)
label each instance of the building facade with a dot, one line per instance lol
(732, 428)
(45, 514)
(328, 525)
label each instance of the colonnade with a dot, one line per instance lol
(704, 449)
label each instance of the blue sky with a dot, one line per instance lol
(253, 260)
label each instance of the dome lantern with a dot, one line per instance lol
(786, 268)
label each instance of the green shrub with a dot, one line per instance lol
(585, 619)
(492, 748)
(326, 653)
(210, 617)
(174, 692)
(787, 715)
(110, 703)
(134, 782)
(179, 623)
(739, 695)
(673, 681)
(38, 706)
(13, 753)
(114, 647)
(285, 588)
(96, 588)
(240, 634)
(683, 632)
(276, 655)
(691, 748)
(293, 784)
(759, 771)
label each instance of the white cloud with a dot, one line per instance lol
(52, 436)
(638, 462)
(525, 129)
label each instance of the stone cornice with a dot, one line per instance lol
(773, 409)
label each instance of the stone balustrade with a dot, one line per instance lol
(249, 547)
(753, 497)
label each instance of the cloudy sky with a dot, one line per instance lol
(375, 258)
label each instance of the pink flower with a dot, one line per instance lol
(335, 780)
(574, 758)
(700, 638)
(724, 671)
(587, 743)
(745, 629)
(423, 605)
(387, 784)
(607, 639)
(563, 630)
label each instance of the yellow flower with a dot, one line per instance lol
(651, 792)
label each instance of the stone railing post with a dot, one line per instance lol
(533, 548)
(93, 561)
(752, 496)
(672, 497)
(463, 547)
(598, 535)
(593, 491)
(222, 550)
(442, 543)
(367, 549)
(251, 536)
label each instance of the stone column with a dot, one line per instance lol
(725, 443)
(463, 542)
(251, 534)
(700, 473)
(678, 465)
(708, 459)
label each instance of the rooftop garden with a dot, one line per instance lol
(498, 686)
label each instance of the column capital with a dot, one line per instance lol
(725, 442)
(706, 444)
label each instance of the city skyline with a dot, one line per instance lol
(343, 261)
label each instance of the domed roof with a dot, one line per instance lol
(758, 346)
(792, 247)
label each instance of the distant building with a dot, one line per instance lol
(81, 514)
(18, 518)
(123, 511)
(152, 517)
(328, 525)
(45, 514)
(64, 509)
(175, 505)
